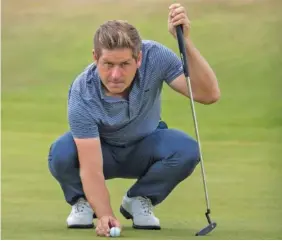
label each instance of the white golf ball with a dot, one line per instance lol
(115, 232)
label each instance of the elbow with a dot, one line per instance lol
(212, 98)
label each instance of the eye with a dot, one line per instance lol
(109, 65)
(124, 64)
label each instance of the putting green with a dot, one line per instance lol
(45, 44)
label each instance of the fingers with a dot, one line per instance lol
(104, 225)
(102, 228)
(174, 5)
(178, 16)
(101, 232)
(175, 9)
(115, 223)
(177, 12)
(98, 229)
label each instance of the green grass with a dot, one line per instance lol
(45, 44)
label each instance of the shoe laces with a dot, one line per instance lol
(146, 204)
(80, 205)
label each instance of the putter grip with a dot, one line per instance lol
(182, 49)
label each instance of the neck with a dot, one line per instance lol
(123, 95)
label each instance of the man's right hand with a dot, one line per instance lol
(104, 225)
(93, 181)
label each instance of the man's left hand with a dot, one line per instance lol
(178, 16)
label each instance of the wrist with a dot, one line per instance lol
(188, 42)
(101, 209)
(189, 46)
(104, 211)
(105, 216)
(108, 213)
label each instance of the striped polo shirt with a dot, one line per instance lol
(119, 121)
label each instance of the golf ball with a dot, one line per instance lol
(115, 232)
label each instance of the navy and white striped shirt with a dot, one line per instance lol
(115, 120)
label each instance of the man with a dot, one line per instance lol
(114, 113)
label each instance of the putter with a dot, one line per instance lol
(184, 59)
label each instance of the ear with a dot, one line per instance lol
(95, 59)
(139, 59)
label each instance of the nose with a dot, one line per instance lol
(116, 72)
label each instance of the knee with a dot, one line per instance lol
(190, 150)
(189, 155)
(62, 156)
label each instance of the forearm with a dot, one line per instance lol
(96, 192)
(203, 79)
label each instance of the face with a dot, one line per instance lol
(117, 69)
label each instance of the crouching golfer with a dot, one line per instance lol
(115, 129)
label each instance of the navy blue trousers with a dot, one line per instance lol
(159, 162)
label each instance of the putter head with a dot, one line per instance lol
(207, 229)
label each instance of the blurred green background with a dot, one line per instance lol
(45, 44)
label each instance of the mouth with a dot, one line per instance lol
(116, 84)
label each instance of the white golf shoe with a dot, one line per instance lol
(81, 215)
(140, 210)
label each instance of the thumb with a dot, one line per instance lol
(114, 223)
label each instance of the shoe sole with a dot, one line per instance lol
(79, 226)
(127, 215)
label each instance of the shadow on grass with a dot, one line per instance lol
(164, 233)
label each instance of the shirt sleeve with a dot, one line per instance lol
(82, 124)
(169, 63)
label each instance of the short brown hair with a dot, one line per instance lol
(117, 34)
